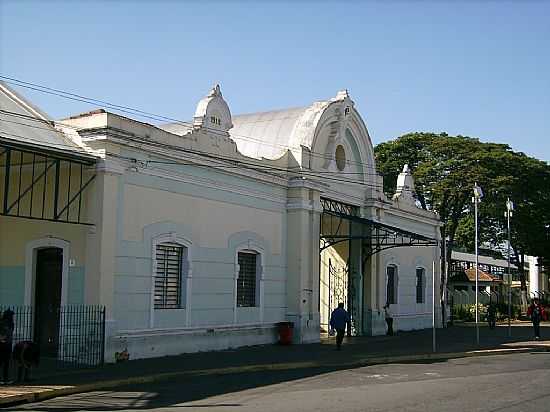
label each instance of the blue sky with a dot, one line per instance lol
(476, 68)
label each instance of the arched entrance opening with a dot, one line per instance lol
(340, 266)
(347, 243)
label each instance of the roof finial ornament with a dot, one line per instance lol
(216, 91)
(213, 113)
(405, 186)
(342, 95)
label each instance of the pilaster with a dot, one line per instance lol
(102, 238)
(303, 222)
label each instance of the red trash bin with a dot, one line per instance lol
(285, 332)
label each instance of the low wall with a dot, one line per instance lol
(375, 323)
(156, 342)
(413, 322)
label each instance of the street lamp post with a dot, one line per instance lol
(508, 214)
(478, 194)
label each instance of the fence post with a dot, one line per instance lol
(103, 335)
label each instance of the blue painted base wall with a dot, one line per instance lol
(12, 285)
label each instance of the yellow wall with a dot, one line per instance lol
(15, 233)
(338, 256)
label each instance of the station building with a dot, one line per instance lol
(203, 235)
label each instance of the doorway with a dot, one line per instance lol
(49, 266)
(340, 277)
(334, 284)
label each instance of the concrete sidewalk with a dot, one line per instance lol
(453, 342)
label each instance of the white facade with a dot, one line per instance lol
(222, 188)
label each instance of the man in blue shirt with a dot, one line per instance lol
(338, 320)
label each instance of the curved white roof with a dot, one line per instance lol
(270, 134)
(266, 134)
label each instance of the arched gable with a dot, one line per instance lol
(341, 125)
(311, 135)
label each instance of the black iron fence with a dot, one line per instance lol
(82, 335)
(80, 340)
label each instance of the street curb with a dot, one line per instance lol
(88, 387)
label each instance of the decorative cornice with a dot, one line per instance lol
(140, 144)
(309, 205)
(344, 197)
(407, 219)
(110, 166)
(415, 211)
(304, 182)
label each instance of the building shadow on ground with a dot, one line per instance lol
(199, 390)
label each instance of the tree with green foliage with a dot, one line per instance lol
(446, 168)
(526, 181)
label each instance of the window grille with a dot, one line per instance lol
(246, 283)
(419, 285)
(391, 285)
(168, 276)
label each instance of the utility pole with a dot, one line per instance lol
(508, 214)
(478, 194)
(434, 347)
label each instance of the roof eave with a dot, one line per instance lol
(38, 148)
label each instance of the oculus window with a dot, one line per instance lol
(340, 157)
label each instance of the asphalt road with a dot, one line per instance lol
(506, 383)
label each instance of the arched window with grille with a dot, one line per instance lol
(171, 267)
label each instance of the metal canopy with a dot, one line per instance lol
(341, 222)
(43, 185)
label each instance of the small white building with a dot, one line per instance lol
(208, 233)
(538, 277)
(494, 271)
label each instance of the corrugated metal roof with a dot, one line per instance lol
(22, 124)
(271, 134)
(265, 134)
(484, 260)
(257, 135)
(481, 276)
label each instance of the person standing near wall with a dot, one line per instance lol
(338, 321)
(536, 312)
(389, 319)
(491, 315)
(6, 341)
